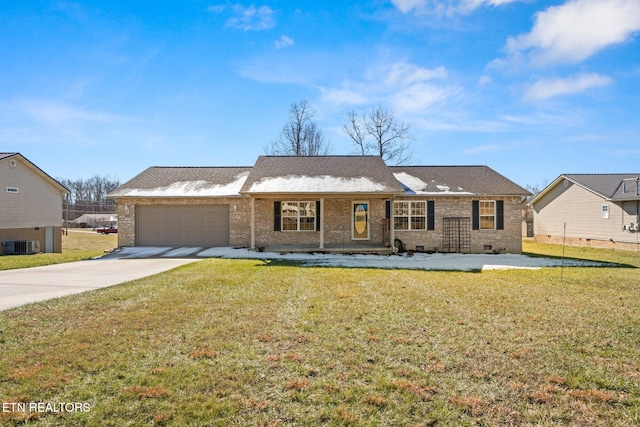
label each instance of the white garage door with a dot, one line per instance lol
(182, 225)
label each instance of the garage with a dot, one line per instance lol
(182, 225)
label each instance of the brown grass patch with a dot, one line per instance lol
(204, 354)
(473, 406)
(147, 392)
(595, 395)
(26, 372)
(299, 384)
(424, 392)
(294, 357)
(376, 400)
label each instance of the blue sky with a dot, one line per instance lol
(530, 88)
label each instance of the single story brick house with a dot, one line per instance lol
(30, 206)
(598, 210)
(323, 203)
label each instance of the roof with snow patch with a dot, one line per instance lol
(321, 174)
(456, 181)
(160, 181)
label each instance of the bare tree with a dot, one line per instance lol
(380, 132)
(89, 195)
(300, 136)
(355, 129)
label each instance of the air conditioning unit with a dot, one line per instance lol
(21, 247)
(634, 227)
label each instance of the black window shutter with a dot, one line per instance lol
(277, 214)
(387, 209)
(318, 219)
(475, 214)
(500, 215)
(431, 223)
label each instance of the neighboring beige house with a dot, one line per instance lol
(323, 203)
(600, 210)
(30, 205)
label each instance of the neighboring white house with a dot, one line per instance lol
(600, 210)
(30, 205)
(96, 220)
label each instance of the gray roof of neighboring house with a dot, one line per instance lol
(456, 181)
(613, 186)
(184, 182)
(321, 174)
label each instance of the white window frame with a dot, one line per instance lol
(482, 205)
(606, 211)
(310, 207)
(409, 214)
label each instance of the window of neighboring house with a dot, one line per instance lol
(409, 215)
(487, 214)
(298, 216)
(605, 211)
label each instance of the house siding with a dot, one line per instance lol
(37, 203)
(581, 211)
(33, 233)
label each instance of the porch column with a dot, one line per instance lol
(392, 234)
(253, 223)
(322, 223)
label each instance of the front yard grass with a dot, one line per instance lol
(79, 244)
(236, 342)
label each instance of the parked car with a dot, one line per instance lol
(107, 230)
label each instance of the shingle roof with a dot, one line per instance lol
(321, 174)
(184, 182)
(456, 180)
(614, 186)
(318, 175)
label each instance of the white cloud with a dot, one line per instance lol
(56, 113)
(445, 7)
(283, 41)
(419, 97)
(405, 87)
(344, 96)
(251, 18)
(545, 89)
(576, 30)
(407, 5)
(402, 72)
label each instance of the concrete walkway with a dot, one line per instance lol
(28, 285)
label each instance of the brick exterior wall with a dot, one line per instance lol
(508, 240)
(337, 222)
(239, 216)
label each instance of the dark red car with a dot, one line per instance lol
(107, 230)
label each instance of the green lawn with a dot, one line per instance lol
(77, 245)
(232, 342)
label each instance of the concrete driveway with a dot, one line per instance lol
(27, 285)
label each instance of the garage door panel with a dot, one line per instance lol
(182, 225)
